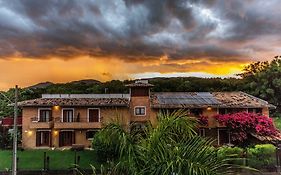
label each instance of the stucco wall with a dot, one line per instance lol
(107, 114)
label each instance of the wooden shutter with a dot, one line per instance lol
(60, 139)
(93, 115)
(38, 138)
(64, 116)
(73, 137)
(51, 138)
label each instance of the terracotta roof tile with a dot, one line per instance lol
(76, 102)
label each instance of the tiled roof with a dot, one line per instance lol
(239, 99)
(206, 99)
(159, 100)
(76, 102)
(268, 138)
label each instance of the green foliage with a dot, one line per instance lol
(262, 79)
(277, 122)
(234, 154)
(106, 150)
(262, 156)
(173, 147)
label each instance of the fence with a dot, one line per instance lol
(51, 162)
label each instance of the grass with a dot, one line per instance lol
(59, 160)
(277, 122)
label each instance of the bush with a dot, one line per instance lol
(104, 151)
(234, 154)
(262, 156)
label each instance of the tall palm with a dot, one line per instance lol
(171, 148)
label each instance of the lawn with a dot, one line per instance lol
(33, 159)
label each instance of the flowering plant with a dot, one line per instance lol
(203, 120)
(242, 123)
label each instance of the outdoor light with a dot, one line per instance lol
(56, 133)
(209, 108)
(56, 107)
(29, 132)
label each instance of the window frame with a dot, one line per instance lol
(218, 136)
(203, 132)
(92, 130)
(88, 115)
(64, 109)
(140, 114)
(41, 138)
(42, 109)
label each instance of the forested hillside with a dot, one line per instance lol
(262, 79)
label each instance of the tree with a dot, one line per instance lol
(242, 125)
(172, 147)
(263, 79)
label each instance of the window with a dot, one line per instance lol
(90, 134)
(139, 127)
(255, 110)
(202, 132)
(223, 137)
(93, 115)
(66, 138)
(43, 138)
(196, 111)
(230, 110)
(224, 111)
(68, 115)
(140, 111)
(45, 115)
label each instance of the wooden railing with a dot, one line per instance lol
(38, 119)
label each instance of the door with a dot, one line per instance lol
(94, 115)
(223, 136)
(43, 138)
(66, 138)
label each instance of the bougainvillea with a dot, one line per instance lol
(203, 120)
(242, 124)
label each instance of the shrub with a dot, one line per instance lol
(262, 156)
(234, 154)
(242, 124)
(104, 150)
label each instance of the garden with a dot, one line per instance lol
(172, 147)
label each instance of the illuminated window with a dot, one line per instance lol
(140, 111)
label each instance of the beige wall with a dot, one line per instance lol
(123, 115)
(107, 114)
(265, 111)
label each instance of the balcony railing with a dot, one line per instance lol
(42, 123)
(74, 119)
(38, 119)
(76, 123)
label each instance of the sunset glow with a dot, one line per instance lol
(61, 41)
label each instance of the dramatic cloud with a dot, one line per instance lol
(151, 36)
(139, 30)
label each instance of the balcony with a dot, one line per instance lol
(41, 124)
(76, 123)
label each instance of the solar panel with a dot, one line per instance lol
(200, 98)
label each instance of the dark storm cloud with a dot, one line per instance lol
(138, 30)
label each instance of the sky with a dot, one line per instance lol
(66, 40)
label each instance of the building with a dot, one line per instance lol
(62, 120)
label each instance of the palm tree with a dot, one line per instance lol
(171, 148)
